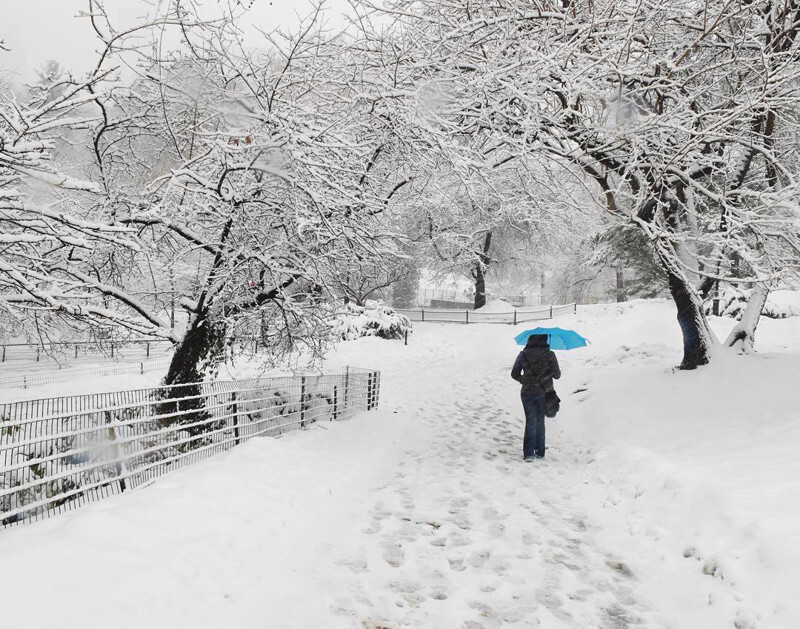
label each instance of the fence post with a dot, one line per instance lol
(515, 316)
(406, 343)
(4, 351)
(235, 413)
(37, 354)
(335, 402)
(575, 308)
(423, 314)
(148, 350)
(551, 312)
(112, 437)
(346, 387)
(302, 402)
(112, 350)
(466, 312)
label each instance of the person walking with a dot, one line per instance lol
(535, 368)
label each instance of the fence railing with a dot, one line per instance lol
(69, 351)
(520, 315)
(57, 454)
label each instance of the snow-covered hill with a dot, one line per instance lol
(667, 499)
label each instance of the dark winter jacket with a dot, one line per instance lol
(536, 366)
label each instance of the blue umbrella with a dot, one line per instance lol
(557, 337)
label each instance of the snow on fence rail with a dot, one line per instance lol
(519, 315)
(57, 454)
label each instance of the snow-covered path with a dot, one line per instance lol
(466, 534)
(423, 514)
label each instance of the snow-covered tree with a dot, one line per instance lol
(680, 114)
(232, 182)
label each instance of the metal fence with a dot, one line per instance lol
(63, 352)
(428, 296)
(519, 315)
(23, 381)
(57, 454)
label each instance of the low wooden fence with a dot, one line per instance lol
(520, 315)
(57, 454)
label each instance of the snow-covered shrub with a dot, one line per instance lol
(780, 303)
(354, 321)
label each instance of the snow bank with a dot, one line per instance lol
(701, 465)
(496, 306)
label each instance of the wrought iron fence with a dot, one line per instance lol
(57, 454)
(519, 315)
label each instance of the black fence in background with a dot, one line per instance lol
(57, 454)
(519, 315)
(64, 351)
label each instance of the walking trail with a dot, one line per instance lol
(466, 534)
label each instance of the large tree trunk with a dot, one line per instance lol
(194, 355)
(698, 339)
(480, 287)
(480, 272)
(742, 337)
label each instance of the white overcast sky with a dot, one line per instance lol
(38, 30)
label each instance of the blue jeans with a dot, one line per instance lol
(533, 442)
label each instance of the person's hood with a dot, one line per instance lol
(538, 340)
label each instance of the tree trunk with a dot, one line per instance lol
(194, 355)
(620, 284)
(742, 337)
(698, 339)
(480, 272)
(480, 287)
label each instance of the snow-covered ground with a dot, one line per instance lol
(667, 499)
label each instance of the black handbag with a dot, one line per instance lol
(552, 403)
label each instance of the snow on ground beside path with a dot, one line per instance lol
(701, 463)
(84, 384)
(666, 500)
(496, 306)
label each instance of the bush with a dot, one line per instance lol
(780, 303)
(354, 321)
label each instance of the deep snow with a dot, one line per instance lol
(668, 499)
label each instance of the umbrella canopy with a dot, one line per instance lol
(558, 338)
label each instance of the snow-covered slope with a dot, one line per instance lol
(667, 499)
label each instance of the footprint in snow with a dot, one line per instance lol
(393, 554)
(355, 564)
(479, 558)
(456, 563)
(497, 530)
(490, 513)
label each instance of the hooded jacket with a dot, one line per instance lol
(536, 366)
